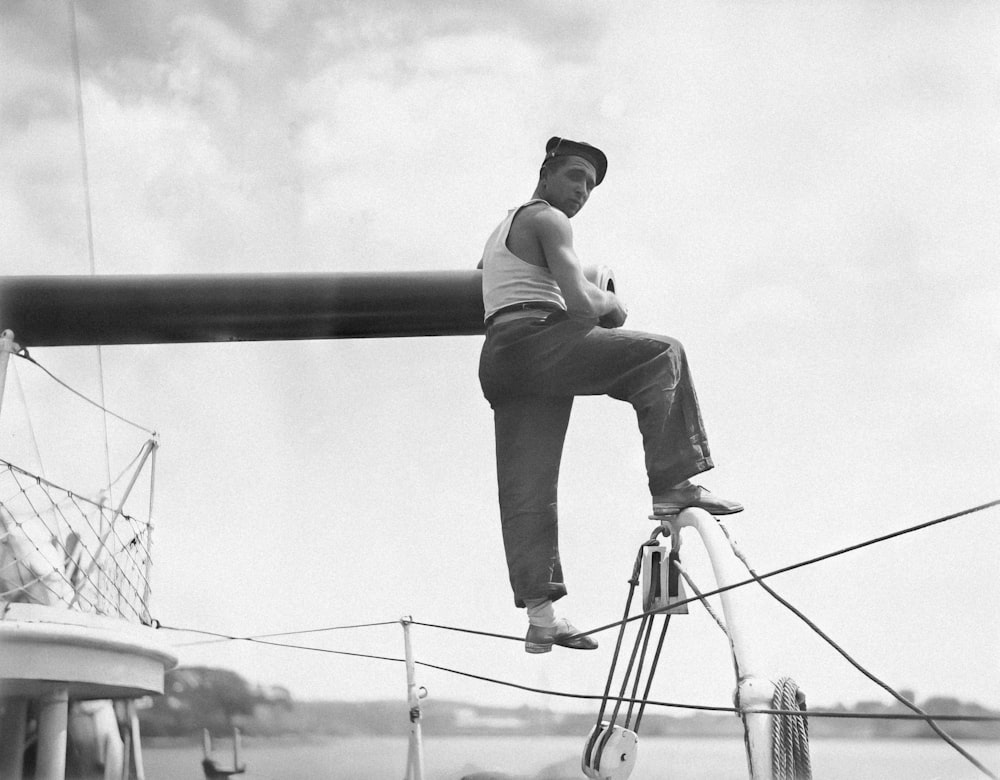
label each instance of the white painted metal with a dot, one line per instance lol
(754, 691)
(7, 348)
(94, 656)
(53, 717)
(149, 539)
(415, 751)
(136, 739)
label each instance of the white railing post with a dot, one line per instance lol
(53, 717)
(415, 750)
(754, 691)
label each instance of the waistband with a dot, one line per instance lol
(528, 306)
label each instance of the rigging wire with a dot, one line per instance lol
(27, 416)
(70, 495)
(227, 638)
(589, 697)
(801, 564)
(776, 708)
(23, 353)
(756, 578)
(699, 596)
(929, 719)
(82, 135)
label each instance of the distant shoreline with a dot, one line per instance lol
(319, 721)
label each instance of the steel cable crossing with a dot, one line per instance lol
(755, 578)
(220, 637)
(808, 562)
(260, 639)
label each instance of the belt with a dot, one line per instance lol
(518, 307)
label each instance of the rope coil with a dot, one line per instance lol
(790, 734)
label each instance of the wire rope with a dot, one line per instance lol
(218, 637)
(221, 637)
(23, 353)
(790, 735)
(27, 416)
(89, 213)
(808, 562)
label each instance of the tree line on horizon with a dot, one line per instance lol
(199, 697)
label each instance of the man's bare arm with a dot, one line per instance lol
(583, 297)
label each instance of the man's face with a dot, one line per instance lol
(569, 187)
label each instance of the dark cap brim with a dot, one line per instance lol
(563, 147)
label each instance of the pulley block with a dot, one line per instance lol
(661, 581)
(610, 753)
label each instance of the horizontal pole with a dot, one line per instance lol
(54, 311)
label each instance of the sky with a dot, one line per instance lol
(805, 195)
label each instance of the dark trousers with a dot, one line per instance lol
(530, 370)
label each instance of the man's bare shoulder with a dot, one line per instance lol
(543, 218)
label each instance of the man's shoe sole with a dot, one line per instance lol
(672, 511)
(536, 648)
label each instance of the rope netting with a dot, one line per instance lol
(58, 548)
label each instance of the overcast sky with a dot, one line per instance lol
(806, 195)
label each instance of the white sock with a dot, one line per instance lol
(540, 613)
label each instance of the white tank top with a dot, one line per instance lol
(507, 279)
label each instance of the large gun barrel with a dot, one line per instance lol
(63, 311)
(47, 311)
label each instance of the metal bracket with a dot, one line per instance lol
(661, 581)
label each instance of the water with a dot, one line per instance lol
(557, 758)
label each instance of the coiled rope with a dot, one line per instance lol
(789, 734)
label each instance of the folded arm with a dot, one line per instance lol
(583, 298)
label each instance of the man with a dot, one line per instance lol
(551, 335)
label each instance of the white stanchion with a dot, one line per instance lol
(754, 690)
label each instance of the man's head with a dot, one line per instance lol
(570, 170)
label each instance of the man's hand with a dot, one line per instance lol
(616, 317)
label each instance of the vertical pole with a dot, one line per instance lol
(147, 448)
(753, 690)
(133, 730)
(415, 751)
(53, 714)
(126, 768)
(147, 618)
(237, 747)
(13, 727)
(7, 348)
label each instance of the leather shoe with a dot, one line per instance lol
(673, 501)
(540, 639)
